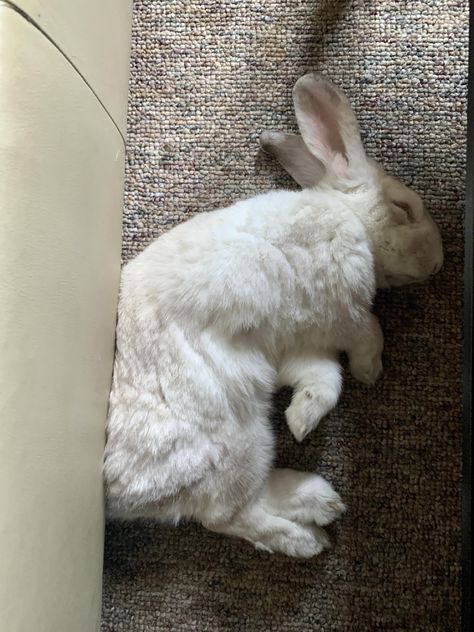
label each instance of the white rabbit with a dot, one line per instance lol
(221, 310)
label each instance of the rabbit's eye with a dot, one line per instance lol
(407, 209)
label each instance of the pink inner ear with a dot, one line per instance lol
(319, 118)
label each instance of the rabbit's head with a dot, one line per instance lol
(329, 155)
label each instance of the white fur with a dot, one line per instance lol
(218, 312)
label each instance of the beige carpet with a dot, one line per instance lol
(207, 77)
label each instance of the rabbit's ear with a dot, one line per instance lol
(294, 156)
(329, 128)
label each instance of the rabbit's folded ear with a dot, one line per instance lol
(329, 128)
(292, 153)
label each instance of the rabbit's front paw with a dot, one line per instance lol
(308, 406)
(367, 369)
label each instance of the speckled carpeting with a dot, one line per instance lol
(207, 77)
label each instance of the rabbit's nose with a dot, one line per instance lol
(436, 268)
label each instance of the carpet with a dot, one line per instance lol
(206, 77)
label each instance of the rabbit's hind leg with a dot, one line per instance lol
(271, 533)
(302, 496)
(287, 515)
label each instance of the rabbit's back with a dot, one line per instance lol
(283, 260)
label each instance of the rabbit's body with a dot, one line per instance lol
(213, 317)
(280, 273)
